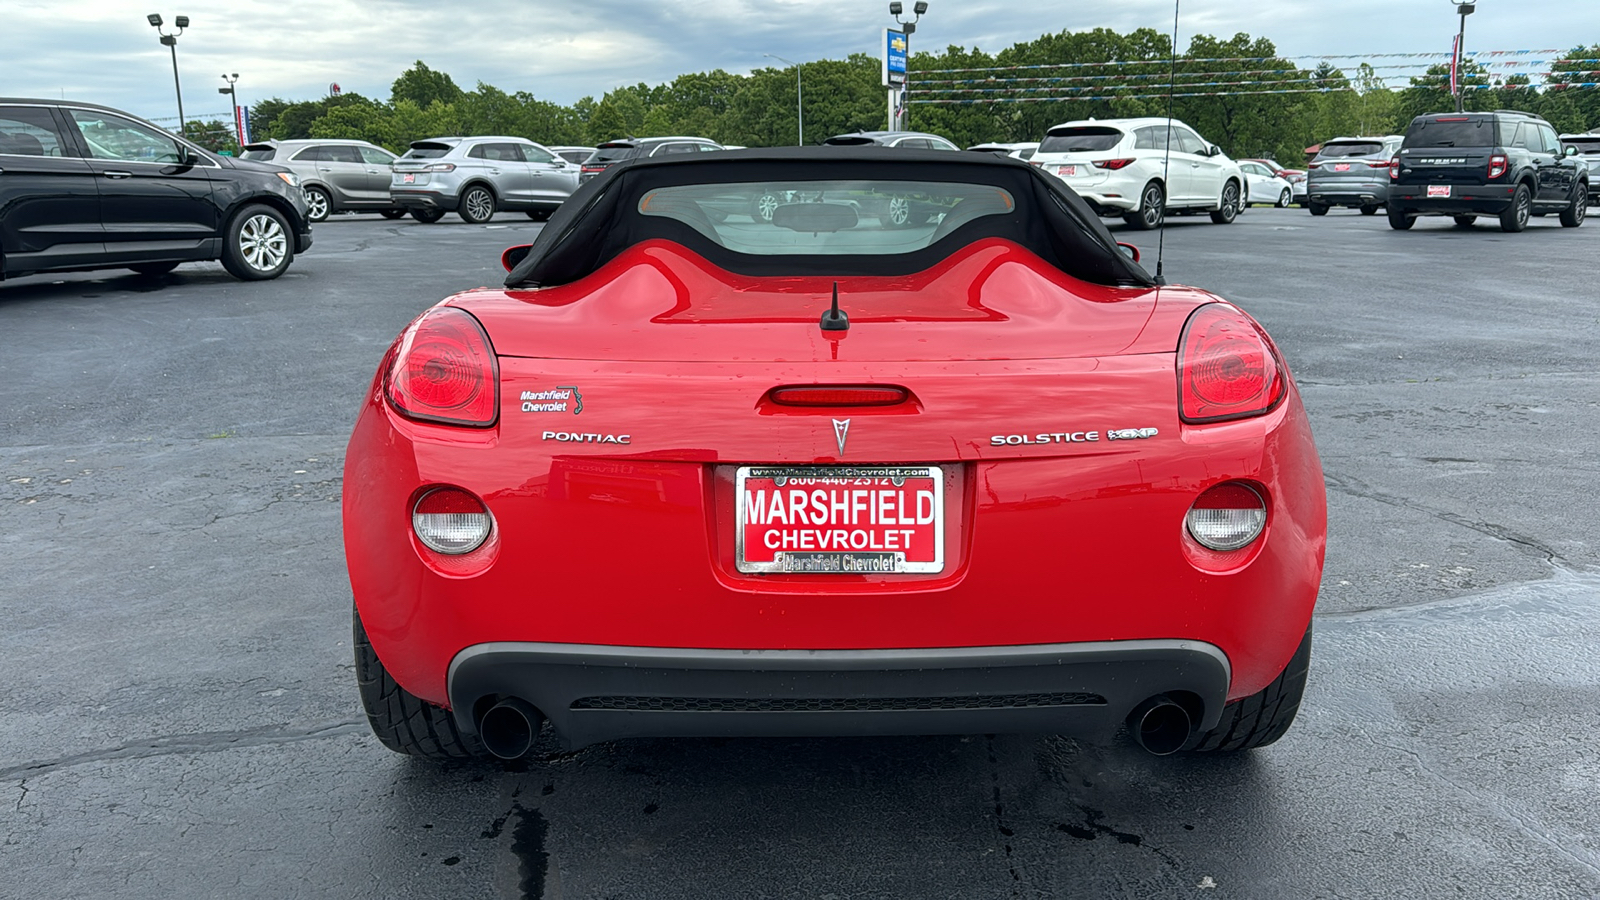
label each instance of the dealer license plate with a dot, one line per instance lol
(408, 179)
(1438, 190)
(851, 520)
(1341, 167)
(1067, 170)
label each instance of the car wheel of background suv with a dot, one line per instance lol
(427, 216)
(318, 204)
(1317, 209)
(1515, 217)
(1572, 216)
(257, 244)
(391, 213)
(1399, 220)
(1370, 210)
(477, 205)
(1152, 206)
(1228, 209)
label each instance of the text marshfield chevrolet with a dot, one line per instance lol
(697, 473)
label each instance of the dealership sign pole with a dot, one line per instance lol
(894, 71)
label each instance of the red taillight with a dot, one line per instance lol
(1314, 165)
(1497, 166)
(1226, 369)
(593, 169)
(1113, 163)
(445, 371)
(839, 395)
(1394, 169)
(441, 167)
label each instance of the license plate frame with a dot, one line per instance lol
(408, 178)
(1441, 191)
(867, 560)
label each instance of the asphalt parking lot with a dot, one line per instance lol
(181, 717)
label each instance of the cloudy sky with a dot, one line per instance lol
(104, 51)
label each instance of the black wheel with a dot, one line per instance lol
(1573, 216)
(1228, 209)
(1285, 198)
(1370, 210)
(1515, 216)
(318, 204)
(477, 205)
(1152, 206)
(153, 269)
(391, 213)
(427, 216)
(257, 244)
(1465, 221)
(765, 204)
(1260, 719)
(1399, 220)
(1318, 209)
(539, 215)
(402, 721)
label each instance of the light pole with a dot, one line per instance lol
(238, 126)
(171, 40)
(909, 28)
(1464, 8)
(799, 100)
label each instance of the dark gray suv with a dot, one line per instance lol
(337, 175)
(1351, 172)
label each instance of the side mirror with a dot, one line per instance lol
(1129, 250)
(1571, 150)
(514, 255)
(1213, 150)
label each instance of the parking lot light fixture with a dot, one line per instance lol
(171, 40)
(799, 101)
(1464, 8)
(908, 28)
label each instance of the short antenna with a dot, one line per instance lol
(1166, 166)
(835, 319)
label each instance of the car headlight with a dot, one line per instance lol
(290, 177)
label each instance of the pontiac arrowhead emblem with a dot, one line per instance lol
(841, 430)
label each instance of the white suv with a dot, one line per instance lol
(1119, 166)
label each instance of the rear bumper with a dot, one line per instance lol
(424, 200)
(597, 693)
(1351, 193)
(1464, 198)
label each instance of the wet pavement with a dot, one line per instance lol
(180, 717)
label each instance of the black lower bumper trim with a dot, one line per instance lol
(594, 693)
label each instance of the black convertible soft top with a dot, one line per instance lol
(601, 218)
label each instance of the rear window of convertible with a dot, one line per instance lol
(827, 218)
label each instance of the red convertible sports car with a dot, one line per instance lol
(925, 452)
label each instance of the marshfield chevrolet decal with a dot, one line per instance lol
(564, 398)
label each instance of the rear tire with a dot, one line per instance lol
(150, 270)
(1285, 198)
(391, 213)
(1260, 719)
(1400, 221)
(1515, 216)
(1317, 209)
(539, 215)
(257, 244)
(1465, 221)
(1369, 210)
(402, 721)
(1228, 208)
(1573, 216)
(477, 205)
(318, 204)
(1152, 207)
(427, 216)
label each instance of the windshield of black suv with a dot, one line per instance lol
(1452, 131)
(426, 150)
(1083, 139)
(614, 154)
(1350, 149)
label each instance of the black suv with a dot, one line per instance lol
(1506, 163)
(88, 187)
(612, 152)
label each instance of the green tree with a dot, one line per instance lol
(423, 86)
(618, 114)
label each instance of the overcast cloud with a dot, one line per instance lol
(104, 51)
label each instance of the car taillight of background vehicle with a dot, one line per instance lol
(1497, 166)
(441, 167)
(1394, 169)
(1226, 368)
(1227, 517)
(1113, 163)
(445, 371)
(593, 170)
(451, 521)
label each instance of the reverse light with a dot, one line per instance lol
(1226, 367)
(1497, 166)
(445, 371)
(1113, 163)
(1227, 517)
(450, 521)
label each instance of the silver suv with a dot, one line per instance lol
(336, 175)
(1352, 172)
(477, 176)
